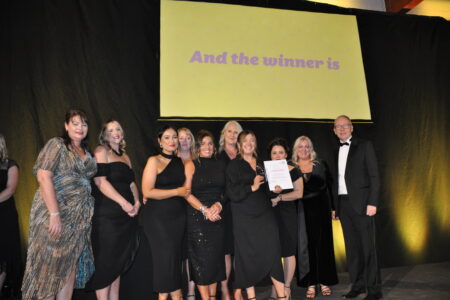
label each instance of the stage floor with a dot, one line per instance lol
(428, 281)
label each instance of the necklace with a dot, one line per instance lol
(169, 156)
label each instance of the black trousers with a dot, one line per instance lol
(360, 246)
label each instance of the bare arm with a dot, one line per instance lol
(149, 179)
(211, 214)
(48, 193)
(11, 184)
(101, 156)
(296, 194)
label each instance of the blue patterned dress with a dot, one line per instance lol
(50, 261)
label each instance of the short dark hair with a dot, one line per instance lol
(70, 114)
(278, 142)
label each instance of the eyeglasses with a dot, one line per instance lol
(344, 126)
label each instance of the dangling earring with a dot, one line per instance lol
(160, 146)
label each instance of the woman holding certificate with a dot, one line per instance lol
(286, 211)
(256, 241)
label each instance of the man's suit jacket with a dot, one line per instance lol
(361, 176)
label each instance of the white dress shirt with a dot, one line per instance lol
(342, 163)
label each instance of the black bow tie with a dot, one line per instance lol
(344, 144)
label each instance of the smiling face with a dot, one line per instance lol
(247, 144)
(304, 150)
(185, 140)
(278, 152)
(206, 148)
(114, 133)
(76, 128)
(169, 141)
(343, 128)
(231, 134)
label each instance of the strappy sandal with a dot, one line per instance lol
(311, 292)
(289, 289)
(325, 290)
(252, 298)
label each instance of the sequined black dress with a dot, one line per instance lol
(206, 238)
(257, 249)
(164, 223)
(114, 232)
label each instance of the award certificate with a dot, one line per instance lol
(277, 173)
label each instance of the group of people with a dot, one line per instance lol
(204, 208)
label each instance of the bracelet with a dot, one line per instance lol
(53, 214)
(202, 209)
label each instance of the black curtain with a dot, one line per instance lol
(102, 56)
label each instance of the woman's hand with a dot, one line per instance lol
(257, 181)
(214, 212)
(275, 201)
(277, 189)
(128, 208)
(183, 192)
(55, 226)
(211, 215)
(137, 205)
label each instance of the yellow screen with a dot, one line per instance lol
(234, 61)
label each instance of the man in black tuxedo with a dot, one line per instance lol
(355, 190)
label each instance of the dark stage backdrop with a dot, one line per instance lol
(102, 56)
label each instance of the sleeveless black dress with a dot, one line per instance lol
(206, 238)
(10, 258)
(257, 249)
(164, 223)
(114, 232)
(286, 213)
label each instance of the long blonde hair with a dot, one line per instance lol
(3, 149)
(222, 133)
(192, 147)
(297, 142)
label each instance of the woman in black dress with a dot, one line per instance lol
(164, 214)
(186, 151)
(285, 202)
(10, 261)
(205, 177)
(114, 230)
(257, 250)
(228, 150)
(316, 201)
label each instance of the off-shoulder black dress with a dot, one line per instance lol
(114, 232)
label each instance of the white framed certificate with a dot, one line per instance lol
(277, 173)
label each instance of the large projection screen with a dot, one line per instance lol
(232, 61)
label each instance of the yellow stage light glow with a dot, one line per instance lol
(339, 246)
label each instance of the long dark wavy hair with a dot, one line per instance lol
(200, 136)
(71, 113)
